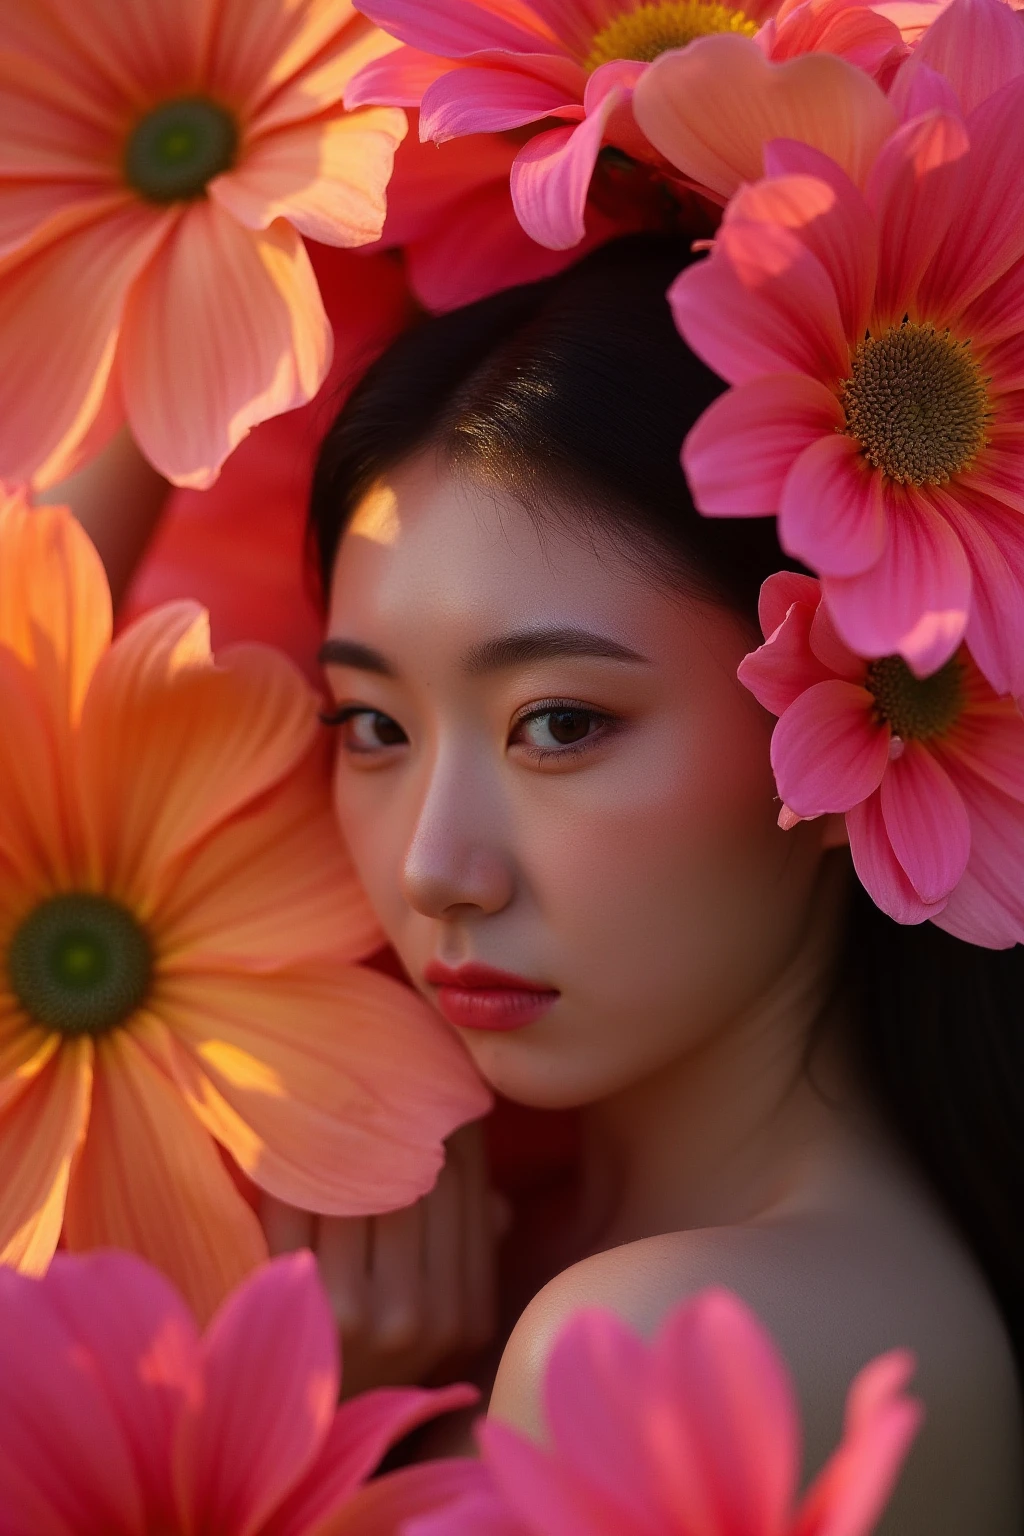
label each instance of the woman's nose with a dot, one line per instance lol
(455, 858)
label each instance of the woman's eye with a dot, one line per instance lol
(550, 730)
(366, 730)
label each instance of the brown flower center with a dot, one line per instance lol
(178, 148)
(653, 28)
(80, 963)
(916, 403)
(916, 708)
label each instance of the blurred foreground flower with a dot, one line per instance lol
(178, 932)
(696, 1431)
(160, 163)
(118, 1419)
(929, 771)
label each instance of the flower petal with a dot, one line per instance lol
(39, 1134)
(171, 745)
(258, 47)
(778, 594)
(38, 848)
(711, 107)
(926, 822)
(878, 869)
(977, 45)
(551, 177)
(740, 452)
(993, 538)
(399, 79)
(785, 666)
(224, 329)
(270, 1383)
(455, 28)
(761, 303)
(328, 179)
(542, 1490)
(987, 906)
(146, 48)
(480, 1514)
(490, 100)
(827, 753)
(345, 1116)
(362, 1431)
(385, 1506)
(149, 1179)
(916, 600)
(831, 513)
(60, 308)
(990, 741)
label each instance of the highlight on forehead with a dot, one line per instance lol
(376, 517)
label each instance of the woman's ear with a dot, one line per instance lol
(833, 831)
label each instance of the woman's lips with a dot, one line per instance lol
(479, 997)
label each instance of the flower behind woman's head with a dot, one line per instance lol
(179, 932)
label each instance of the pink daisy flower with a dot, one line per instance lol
(696, 1431)
(875, 342)
(161, 161)
(118, 1418)
(928, 770)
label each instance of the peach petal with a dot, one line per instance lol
(711, 108)
(35, 212)
(827, 753)
(145, 48)
(785, 667)
(977, 45)
(327, 179)
(150, 1179)
(35, 53)
(224, 328)
(40, 1132)
(37, 842)
(552, 174)
(319, 89)
(831, 512)
(260, 46)
(25, 1049)
(740, 452)
(879, 870)
(51, 130)
(170, 745)
(60, 308)
(926, 822)
(346, 1116)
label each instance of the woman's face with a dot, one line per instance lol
(546, 766)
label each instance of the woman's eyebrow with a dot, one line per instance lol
(337, 652)
(517, 650)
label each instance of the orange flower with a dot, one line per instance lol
(160, 161)
(178, 932)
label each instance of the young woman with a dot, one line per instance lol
(559, 799)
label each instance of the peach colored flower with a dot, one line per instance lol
(178, 935)
(929, 771)
(875, 342)
(161, 160)
(696, 1431)
(118, 1419)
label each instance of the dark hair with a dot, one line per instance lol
(581, 384)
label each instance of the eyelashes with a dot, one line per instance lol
(549, 730)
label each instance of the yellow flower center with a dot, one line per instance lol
(916, 708)
(916, 403)
(80, 963)
(653, 28)
(178, 147)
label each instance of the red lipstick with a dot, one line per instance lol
(479, 997)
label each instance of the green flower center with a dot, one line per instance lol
(652, 29)
(80, 964)
(176, 149)
(916, 708)
(916, 403)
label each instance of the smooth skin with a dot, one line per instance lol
(546, 764)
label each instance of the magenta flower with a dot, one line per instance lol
(118, 1419)
(875, 342)
(929, 771)
(696, 1431)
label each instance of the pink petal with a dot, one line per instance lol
(827, 646)
(926, 822)
(989, 238)
(327, 179)
(270, 1383)
(916, 190)
(853, 32)
(990, 741)
(385, 1506)
(917, 89)
(60, 308)
(144, 1348)
(482, 1514)
(915, 602)
(993, 538)
(362, 1431)
(739, 453)
(831, 510)
(998, 313)
(819, 202)
(761, 303)
(455, 28)
(225, 328)
(778, 594)
(65, 1464)
(827, 753)
(987, 906)
(551, 178)
(398, 79)
(489, 101)
(879, 870)
(977, 45)
(541, 1490)
(784, 667)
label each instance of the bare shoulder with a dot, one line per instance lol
(833, 1298)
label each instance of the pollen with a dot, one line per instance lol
(917, 404)
(653, 28)
(916, 708)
